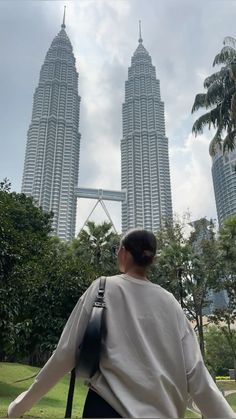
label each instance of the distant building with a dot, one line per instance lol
(201, 232)
(53, 141)
(224, 181)
(144, 148)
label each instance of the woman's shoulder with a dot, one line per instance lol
(123, 279)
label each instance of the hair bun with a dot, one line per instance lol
(142, 246)
(148, 253)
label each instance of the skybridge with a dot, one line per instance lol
(101, 195)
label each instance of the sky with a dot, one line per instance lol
(182, 37)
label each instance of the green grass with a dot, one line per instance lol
(190, 414)
(231, 398)
(52, 405)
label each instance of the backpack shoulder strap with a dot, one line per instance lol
(100, 298)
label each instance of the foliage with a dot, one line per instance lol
(42, 277)
(220, 99)
(187, 266)
(227, 243)
(5, 185)
(52, 291)
(191, 266)
(227, 314)
(24, 230)
(95, 246)
(219, 356)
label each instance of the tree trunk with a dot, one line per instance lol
(202, 343)
(234, 369)
(199, 321)
(200, 334)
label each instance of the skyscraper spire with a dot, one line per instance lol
(140, 34)
(145, 173)
(64, 16)
(53, 139)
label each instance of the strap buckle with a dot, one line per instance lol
(100, 298)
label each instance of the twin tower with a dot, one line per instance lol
(51, 165)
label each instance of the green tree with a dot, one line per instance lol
(95, 246)
(42, 277)
(220, 99)
(227, 314)
(203, 275)
(24, 231)
(189, 272)
(55, 287)
(65, 272)
(219, 356)
(5, 185)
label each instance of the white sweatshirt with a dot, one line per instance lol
(150, 360)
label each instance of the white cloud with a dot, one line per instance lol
(192, 187)
(86, 206)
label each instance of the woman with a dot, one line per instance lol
(150, 360)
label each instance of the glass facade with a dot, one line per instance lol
(53, 140)
(224, 181)
(145, 171)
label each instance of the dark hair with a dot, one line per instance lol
(141, 244)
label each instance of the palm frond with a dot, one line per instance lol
(229, 141)
(217, 137)
(216, 142)
(232, 71)
(233, 107)
(215, 94)
(221, 96)
(201, 122)
(216, 116)
(229, 40)
(199, 102)
(225, 108)
(226, 56)
(218, 76)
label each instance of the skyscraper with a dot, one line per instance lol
(53, 140)
(144, 147)
(224, 181)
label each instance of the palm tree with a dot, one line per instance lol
(95, 244)
(220, 99)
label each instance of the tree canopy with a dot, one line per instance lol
(219, 99)
(42, 277)
(24, 231)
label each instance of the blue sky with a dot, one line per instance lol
(182, 38)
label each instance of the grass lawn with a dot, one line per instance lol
(52, 405)
(190, 414)
(231, 398)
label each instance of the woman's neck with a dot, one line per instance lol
(136, 273)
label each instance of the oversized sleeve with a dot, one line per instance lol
(63, 359)
(201, 386)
